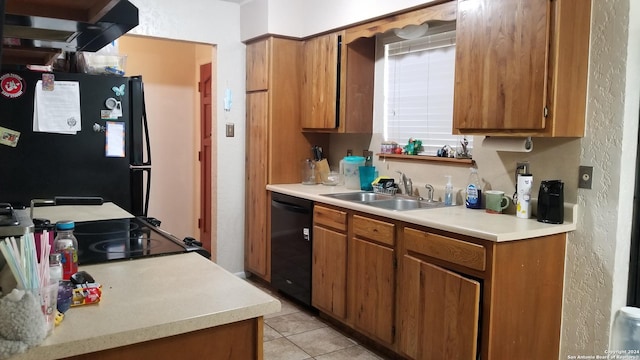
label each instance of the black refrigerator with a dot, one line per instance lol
(44, 165)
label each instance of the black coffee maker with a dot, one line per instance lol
(551, 202)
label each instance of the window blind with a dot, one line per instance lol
(419, 79)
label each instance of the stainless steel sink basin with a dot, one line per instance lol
(365, 196)
(401, 204)
(389, 202)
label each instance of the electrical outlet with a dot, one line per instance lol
(585, 177)
(230, 130)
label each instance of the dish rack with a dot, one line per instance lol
(380, 189)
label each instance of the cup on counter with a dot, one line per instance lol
(48, 296)
(496, 201)
(367, 175)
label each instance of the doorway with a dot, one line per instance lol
(170, 71)
(633, 290)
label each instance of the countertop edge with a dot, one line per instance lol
(455, 219)
(158, 319)
(151, 333)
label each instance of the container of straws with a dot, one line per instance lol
(30, 269)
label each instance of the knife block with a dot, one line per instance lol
(322, 170)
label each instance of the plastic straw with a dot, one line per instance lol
(23, 262)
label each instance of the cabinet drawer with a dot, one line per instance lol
(330, 217)
(445, 248)
(374, 229)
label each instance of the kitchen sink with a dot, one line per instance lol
(384, 201)
(401, 204)
(365, 196)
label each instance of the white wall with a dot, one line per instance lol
(305, 18)
(213, 22)
(598, 252)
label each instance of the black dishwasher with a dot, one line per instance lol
(291, 246)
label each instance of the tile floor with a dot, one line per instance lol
(294, 333)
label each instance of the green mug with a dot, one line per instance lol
(495, 201)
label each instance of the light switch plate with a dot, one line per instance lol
(230, 130)
(585, 177)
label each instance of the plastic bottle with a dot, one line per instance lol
(448, 192)
(474, 193)
(55, 268)
(67, 246)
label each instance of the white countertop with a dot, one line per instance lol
(153, 298)
(456, 219)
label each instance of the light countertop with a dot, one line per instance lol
(153, 298)
(456, 219)
(78, 213)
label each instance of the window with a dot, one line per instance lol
(419, 79)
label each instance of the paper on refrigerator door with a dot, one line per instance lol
(57, 110)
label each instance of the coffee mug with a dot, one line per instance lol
(496, 201)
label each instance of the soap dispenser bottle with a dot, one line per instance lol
(448, 192)
(474, 193)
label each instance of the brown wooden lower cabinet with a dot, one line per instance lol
(329, 272)
(372, 281)
(329, 266)
(236, 341)
(427, 294)
(374, 289)
(438, 314)
(460, 297)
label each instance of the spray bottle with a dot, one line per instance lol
(448, 192)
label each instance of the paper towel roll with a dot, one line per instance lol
(515, 144)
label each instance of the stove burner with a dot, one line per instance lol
(131, 246)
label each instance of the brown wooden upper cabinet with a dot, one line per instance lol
(521, 67)
(337, 85)
(258, 65)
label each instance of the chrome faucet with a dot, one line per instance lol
(430, 189)
(406, 183)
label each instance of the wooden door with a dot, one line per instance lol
(439, 312)
(450, 314)
(320, 82)
(256, 254)
(258, 65)
(501, 62)
(373, 289)
(329, 279)
(204, 223)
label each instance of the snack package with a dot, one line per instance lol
(86, 294)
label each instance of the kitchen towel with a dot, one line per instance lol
(514, 144)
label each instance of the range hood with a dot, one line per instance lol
(36, 31)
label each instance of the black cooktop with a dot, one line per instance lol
(120, 239)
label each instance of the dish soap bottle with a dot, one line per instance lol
(448, 192)
(474, 193)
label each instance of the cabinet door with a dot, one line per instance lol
(501, 62)
(373, 289)
(256, 252)
(258, 65)
(439, 312)
(320, 83)
(329, 280)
